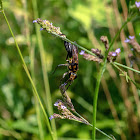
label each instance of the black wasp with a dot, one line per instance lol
(72, 59)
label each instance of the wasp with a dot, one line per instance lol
(72, 64)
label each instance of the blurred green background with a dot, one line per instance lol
(83, 21)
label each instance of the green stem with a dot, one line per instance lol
(14, 38)
(48, 99)
(111, 44)
(137, 85)
(125, 67)
(102, 70)
(95, 98)
(39, 120)
(38, 98)
(32, 54)
(82, 48)
(92, 126)
(37, 106)
(104, 133)
(66, 39)
(81, 117)
(28, 74)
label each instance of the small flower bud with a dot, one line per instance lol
(34, 21)
(118, 50)
(127, 40)
(97, 52)
(57, 116)
(63, 107)
(104, 39)
(41, 29)
(82, 52)
(51, 117)
(114, 54)
(131, 37)
(134, 43)
(137, 4)
(56, 103)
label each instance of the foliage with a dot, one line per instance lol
(118, 110)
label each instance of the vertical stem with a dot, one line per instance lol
(102, 70)
(39, 120)
(44, 70)
(29, 76)
(117, 34)
(31, 50)
(95, 99)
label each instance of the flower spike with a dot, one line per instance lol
(48, 26)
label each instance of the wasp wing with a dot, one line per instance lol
(75, 54)
(68, 47)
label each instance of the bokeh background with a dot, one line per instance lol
(83, 21)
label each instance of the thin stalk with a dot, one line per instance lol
(66, 39)
(44, 70)
(95, 98)
(28, 74)
(104, 133)
(92, 126)
(137, 85)
(39, 120)
(37, 106)
(111, 44)
(82, 48)
(126, 67)
(38, 98)
(81, 117)
(31, 50)
(102, 70)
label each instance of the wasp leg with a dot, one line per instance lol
(63, 85)
(59, 66)
(67, 57)
(71, 81)
(66, 73)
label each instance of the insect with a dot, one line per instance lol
(72, 59)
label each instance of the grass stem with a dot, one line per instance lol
(44, 70)
(28, 74)
(102, 70)
(126, 67)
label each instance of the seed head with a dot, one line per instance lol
(48, 26)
